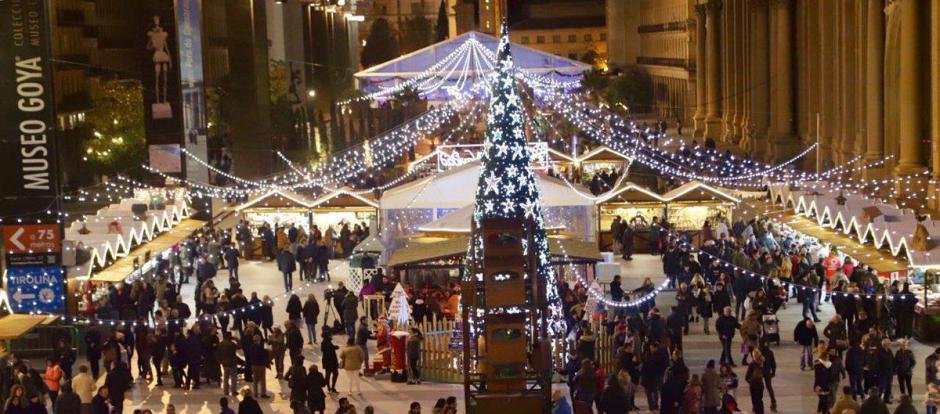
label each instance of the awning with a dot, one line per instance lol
(124, 266)
(879, 260)
(277, 198)
(16, 325)
(435, 249)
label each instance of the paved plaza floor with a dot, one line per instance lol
(793, 387)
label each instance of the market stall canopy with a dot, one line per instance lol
(866, 220)
(458, 222)
(125, 266)
(14, 326)
(415, 64)
(277, 198)
(345, 197)
(699, 191)
(371, 244)
(454, 188)
(630, 192)
(430, 249)
(113, 231)
(604, 154)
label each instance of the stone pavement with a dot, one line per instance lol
(793, 387)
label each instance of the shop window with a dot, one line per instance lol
(539, 39)
(572, 38)
(588, 38)
(525, 40)
(556, 38)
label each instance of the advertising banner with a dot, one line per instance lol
(160, 75)
(29, 187)
(192, 86)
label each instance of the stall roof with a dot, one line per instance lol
(604, 154)
(440, 249)
(631, 192)
(458, 221)
(686, 192)
(371, 244)
(345, 197)
(124, 267)
(277, 198)
(454, 188)
(16, 325)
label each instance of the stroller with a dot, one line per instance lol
(771, 328)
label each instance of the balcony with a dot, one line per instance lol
(661, 61)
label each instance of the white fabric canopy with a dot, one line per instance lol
(456, 188)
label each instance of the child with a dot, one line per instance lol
(932, 398)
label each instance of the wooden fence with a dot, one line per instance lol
(441, 364)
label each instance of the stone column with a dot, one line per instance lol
(713, 83)
(861, 60)
(746, 140)
(913, 90)
(760, 79)
(728, 54)
(827, 84)
(740, 87)
(784, 140)
(875, 78)
(848, 69)
(700, 69)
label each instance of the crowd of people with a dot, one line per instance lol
(733, 279)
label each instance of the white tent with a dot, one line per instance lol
(430, 62)
(456, 188)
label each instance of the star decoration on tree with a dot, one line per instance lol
(506, 155)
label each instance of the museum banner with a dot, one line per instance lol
(160, 76)
(27, 114)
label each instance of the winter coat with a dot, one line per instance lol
(311, 311)
(904, 362)
(329, 360)
(352, 358)
(873, 405)
(350, 308)
(726, 326)
(805, 335)
(692, 399)
(286, 262)
(711, 388)
(294, 308)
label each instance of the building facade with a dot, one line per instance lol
(572, 29)
(657, 38)
(773, 77)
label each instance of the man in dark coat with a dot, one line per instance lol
(627, 241)
(67, 402)
(675, 323)
(651, 374)
(287, 266)
(726, 325)
(195, 354)
(231, 261)
(118, 381)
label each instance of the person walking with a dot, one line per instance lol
(885, 369)
(311, 311)
(350, 309)
(856, 359)
(84, 385)
(351, 359)
(259, 359)
(821, 382)
(806, 336)
(118, 381)
(226, 354)
(626, 240)
(755, 381)
(53, 378)
(770, 371)
(316, 398)
(692, 397)
(711, 389)
(67, 402)
(651, 374)
(297, 381)
(726, 325)
(904, 364)
(287, 265)
(873, 404)
(846, 402)
(362, 341)
(330, 362)
(413, 352)
(295, 341)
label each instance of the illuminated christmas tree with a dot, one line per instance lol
(399, 310)
(508, 187)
